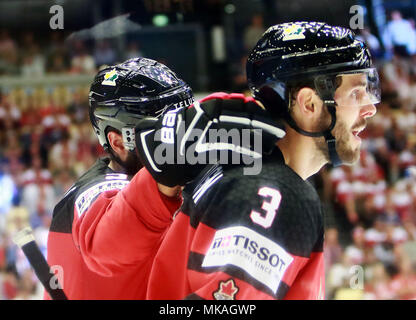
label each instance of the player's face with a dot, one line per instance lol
(353, 108)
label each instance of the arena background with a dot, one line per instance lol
(46, 66)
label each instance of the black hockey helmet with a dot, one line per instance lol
(123, 94)
(311, 54)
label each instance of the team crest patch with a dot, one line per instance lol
(110, 78)
(294, 32)
(226, 290)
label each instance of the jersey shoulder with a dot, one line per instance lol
(97, 179)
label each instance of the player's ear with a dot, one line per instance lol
(306, 102)
(116, 142)
(308, 109)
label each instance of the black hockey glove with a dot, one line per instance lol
(221, 128)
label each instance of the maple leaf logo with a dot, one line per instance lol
(226, 291)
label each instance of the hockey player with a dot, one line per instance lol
(261, 236)
(107, 227)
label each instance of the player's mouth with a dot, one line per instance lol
(356, 132)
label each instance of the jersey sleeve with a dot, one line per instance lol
(121, 228)
(254, 243)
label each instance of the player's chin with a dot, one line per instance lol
(351, 157)
(350, 154)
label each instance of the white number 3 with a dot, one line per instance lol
(266, 220)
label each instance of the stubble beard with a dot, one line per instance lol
(342, 134)
(132, 164)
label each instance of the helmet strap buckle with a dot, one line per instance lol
(333, 154)
(129, 138)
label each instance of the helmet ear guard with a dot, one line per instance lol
(129, 138)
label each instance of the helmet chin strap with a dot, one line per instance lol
(329, 138)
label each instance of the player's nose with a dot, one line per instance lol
(368, 111)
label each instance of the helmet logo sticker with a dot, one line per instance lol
(110, 78)
(294, 32)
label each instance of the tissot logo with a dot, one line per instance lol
(260, 257)
(242, 242)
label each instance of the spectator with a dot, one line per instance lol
(346, 292)
(338, 275)
(82, 62)
(133, 51)
(17, 218)
(8, 191)
(7, 44)
(41, 233)
(375, 234)
(9, 111)
(26, 287)
(38, 194)
(63, 154)
(378, 286)
(404, 283)
(104, 54)
(33, 61)
(57, 64)
(33, 64)
(254, 31)
(385, 250)
(399, 36)
(355, 251)
(57, 54)
(78, 108)
(390, 215)
(63, 180)
(8, 53)
(9, 284)
(332, 248)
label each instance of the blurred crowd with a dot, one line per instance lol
(371, 206)
(26, 55)
(370, 242)
(46, 143)
(44, 148)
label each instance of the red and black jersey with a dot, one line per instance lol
(244, 237)
(105, 233)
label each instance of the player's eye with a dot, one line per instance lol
(357, 95)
